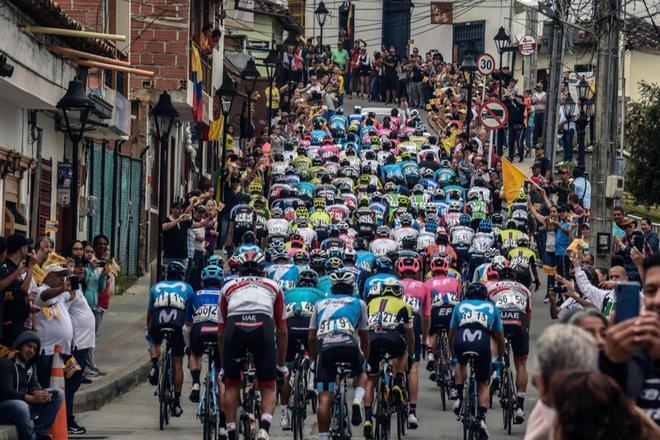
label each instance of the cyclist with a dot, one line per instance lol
(515, 305)
(338, 333)
(299, 304)
(167, 305)
(382, 270)
(202, 323)
(523, 260)
(391, 332)
(252, 316)
(418, 296)
(248, 243)
(383, 244)
(474, 321)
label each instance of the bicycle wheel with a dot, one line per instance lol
(209, 418)
(298, 405)
(162, 398)
(381, 412)
(246, 427)
(441, 375)
(511, 402)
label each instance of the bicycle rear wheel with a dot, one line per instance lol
(510, 402)
(299, 407)
(380, 411)
(441, 378)
(209, 413)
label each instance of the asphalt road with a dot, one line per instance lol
(135, 415)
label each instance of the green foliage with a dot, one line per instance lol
(643, 139)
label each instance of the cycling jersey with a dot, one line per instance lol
(404, 231)
(418, 296)
(482, 242)
(509, 237)
(300, 301)
(510, 296)
(250, 296)
(381, 247)
(243, 216)
(337, 319)
(203, 306)
(520, 258)
(461, 236)
(245, 248)
(286, 275)
(373, 283)
(365, 260)
(168, 301)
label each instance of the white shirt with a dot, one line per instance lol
(82, 320)
(53, 322)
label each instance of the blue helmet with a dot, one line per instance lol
(383, 265)
(485, 226)
(476, 291)
(216, 260)
(464, 220)
(213, 273)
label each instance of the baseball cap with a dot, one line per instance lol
(55, 268)
(16, 241)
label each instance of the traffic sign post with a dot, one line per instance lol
(493, 114)
(527, 45)
(485, 64)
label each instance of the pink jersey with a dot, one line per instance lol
(418, 296)
(445, 291)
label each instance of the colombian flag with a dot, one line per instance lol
(197, 79)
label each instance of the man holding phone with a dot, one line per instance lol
(603, 296)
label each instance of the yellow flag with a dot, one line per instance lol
(215, 129)
(513, 180)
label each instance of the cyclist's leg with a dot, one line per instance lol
(413, 377)
(154, 352)
(265, 361)
(520, 349)
(234, 348)
(178, 349)
(325, 385)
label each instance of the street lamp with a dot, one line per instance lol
(75, 106)
(290, 44)
(163, 115)
(249, 75)
(586, 105)
(226, 93)
(321, 14)
(271, 65)
(468, 67)
(502, 41)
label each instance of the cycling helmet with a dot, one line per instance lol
(333, 264)
(233, 263)
(404, 201)
(277, 212)
(300, 258)
(426, 173)
(492, 273)
(357, 109)
(317, 260)
(343, 227)
(296, 239)
(213, 275)
(281, 256)
(464, 220)
(418, 189)
(343, 282)
(317, 161)
(251, 263)
(409, 242)
(408, 264)
(391, 287)
(319, 203)
(521, 197)
(497, 218)
(390, 187)
(523, 241)
(350, 256)
(406, 219)
(485, 226)
(215, 260)
(440, 264)
(454, 207)
(308, 278)
(476, 291)
(499, 262)
(383, 232)
(176, 271)
(507, 274)
(249, 237)
(383, 265)
(302, 212)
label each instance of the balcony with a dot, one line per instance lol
(207, 80)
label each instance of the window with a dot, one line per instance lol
(297, 9)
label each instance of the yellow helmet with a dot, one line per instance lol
(255, 188)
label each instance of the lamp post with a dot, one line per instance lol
(290, 44)
(568, 107)
(163, 115)
(321, 14)
(226, 93)
(586, 106)
(270, 62)
(75, 106)
(249, 76)
(502, 40)
(468, 67)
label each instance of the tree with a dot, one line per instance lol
(642, 136)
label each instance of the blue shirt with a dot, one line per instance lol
(476, 313)
(562, 240)
(339, 315)
(300, 301)
(285, 274)
(169, 294)
(374, 282)
(203, 306)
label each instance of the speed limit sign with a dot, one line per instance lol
(485, 64)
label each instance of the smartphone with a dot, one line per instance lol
(627, 300)
(27, 260)
(75, 283)
(101, 263)
(638, 242)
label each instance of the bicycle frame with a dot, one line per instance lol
(340, 427)
(468, 413)
(250, 399)
(165, 389)
(298, 382)
(208, 411)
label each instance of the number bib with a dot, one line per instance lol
(413, 302)
(383, 321)
(511, 300)
(206, 313)
(306, 309)
(335, 326)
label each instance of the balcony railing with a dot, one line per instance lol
(207, 68)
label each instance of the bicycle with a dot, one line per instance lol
(469, 409)
(382, 406)
(208, 411)
(165, 390)
(443, 377)
(250, 404)
(340, 425)
(299, 395)
(507, 389)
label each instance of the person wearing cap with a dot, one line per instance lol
(54, 325)
(624, 246)
(175, 234)
(539, 98)
(22, 399)
(16, 299)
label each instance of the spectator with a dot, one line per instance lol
(102, 259)
(175, 234)
(95, 281)
(74, 249)
(623, 247)
(340, 56)
(556, 350)
(15, 284)
(601, 297)
(582, 188)
(567, 124)
(542, 161)
(564, 187)
(199, 246)
(211, 228)
(53, 320)
(22, 399)
(591, 405)
(84, 339)
(632, 352)
(591, 320)
(617, 217)
(650, 238)
(539, 98)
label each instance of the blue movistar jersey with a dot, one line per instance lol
(300, 301)
(391, 172)
(286, 275)
(203, 306)
(410, 168)
(338, 317)
(365, 260)
(306, 189)
(379, 209)
(338, 121)
(324, 284)
(169, 294)
(476, 313)
(373, 284)
(245, 248)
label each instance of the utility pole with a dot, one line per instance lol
(531, 62)
(554, 83)
(608, 19)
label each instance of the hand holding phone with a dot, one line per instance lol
(627, 300)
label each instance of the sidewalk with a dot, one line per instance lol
(121, 349)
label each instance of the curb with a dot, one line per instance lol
(97, 396)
